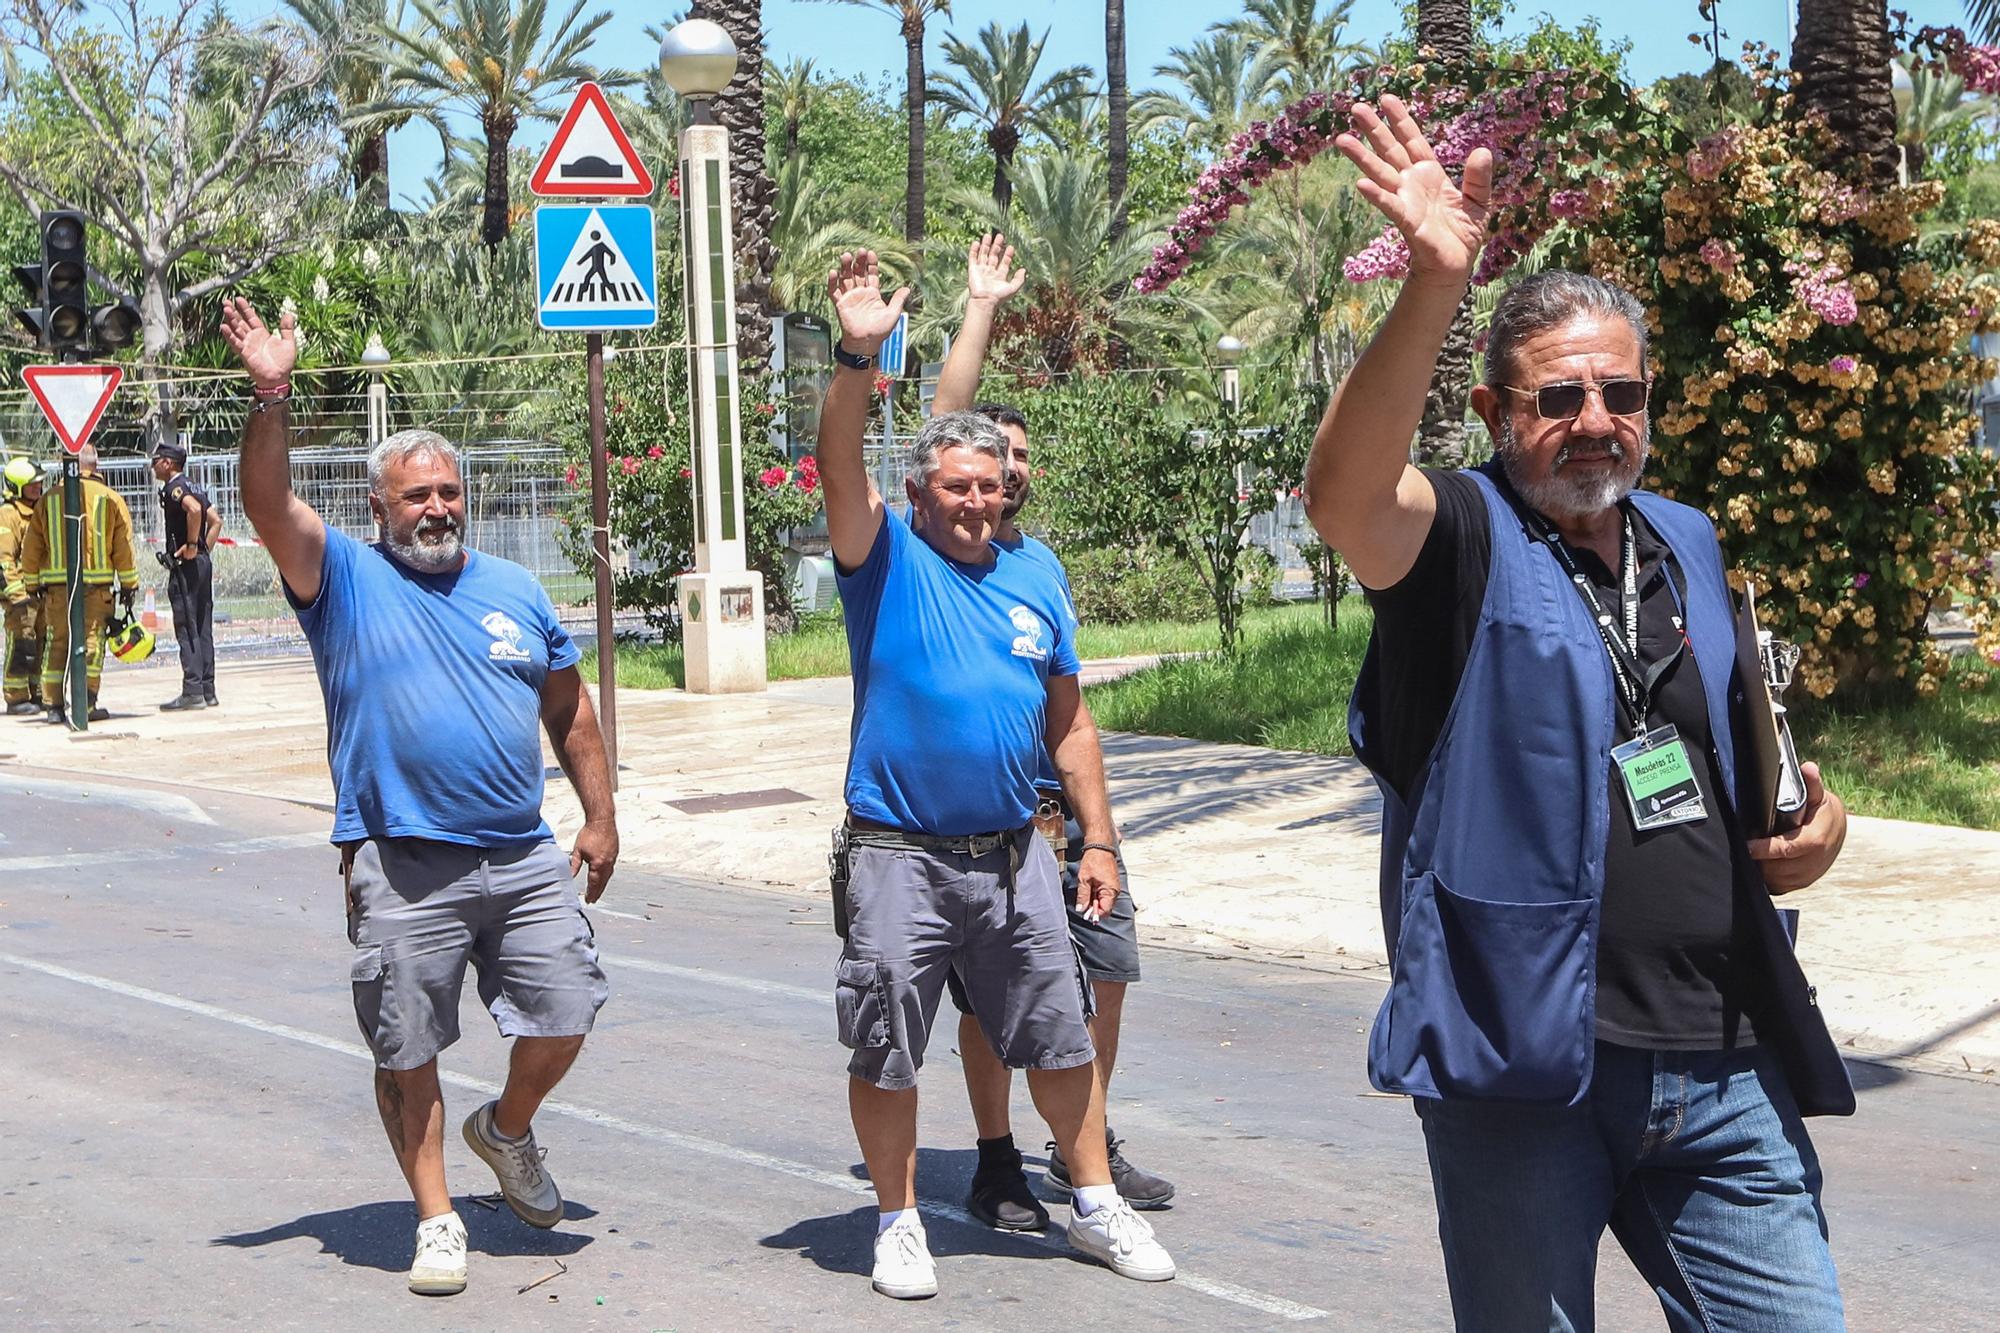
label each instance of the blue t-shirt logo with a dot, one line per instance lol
(1029, 642)
(506, 634)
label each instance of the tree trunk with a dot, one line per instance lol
(740, 110)
(1116, 105)
(791, 138)
(494, 222)
(913, 112)
(1003, 140)
(1840, 58)
(156, 348)
(1445, 26)
(371, 169)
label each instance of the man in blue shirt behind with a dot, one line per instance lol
(964, 676)
(438, 665)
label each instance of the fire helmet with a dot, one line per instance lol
(21, 474)
(129, 641)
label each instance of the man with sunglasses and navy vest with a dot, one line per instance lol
(1593, 1000)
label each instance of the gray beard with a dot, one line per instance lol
(1560, 497)
(437, 557)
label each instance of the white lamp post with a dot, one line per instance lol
(376, 357)
(1229, 350)
(722, 600)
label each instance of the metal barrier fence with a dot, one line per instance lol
(515, 495)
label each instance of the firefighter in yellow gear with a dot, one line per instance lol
(107, 559)
(23, 601)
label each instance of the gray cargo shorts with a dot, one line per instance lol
(418, 911)
(915, 915)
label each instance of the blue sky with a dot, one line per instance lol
(867, 44)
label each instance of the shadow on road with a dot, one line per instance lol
(378, 1235)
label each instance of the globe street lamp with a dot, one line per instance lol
(721, 599)
(1229, 350)
(376, 358)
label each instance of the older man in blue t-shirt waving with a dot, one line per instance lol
(964, 675)
(438, 665)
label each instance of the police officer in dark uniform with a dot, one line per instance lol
(192, 527)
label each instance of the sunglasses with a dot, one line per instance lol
(1564, 402)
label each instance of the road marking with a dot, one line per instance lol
(136, 798)
(790, 992)
(594, 910)
(240, 847)
(846, 1184)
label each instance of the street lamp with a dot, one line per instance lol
(376, 358)
(722, 599)
(1229, 350)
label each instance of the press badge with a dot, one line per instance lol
(1659, 781)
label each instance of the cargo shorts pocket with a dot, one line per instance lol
(1083, 986)
(861, 1004)
(368, 967)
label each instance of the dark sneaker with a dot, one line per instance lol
(25, 708)
(1000, 1195)
(97, 714)
(183, 704)
(56, 717)
(208, 699)
(1142, 1189)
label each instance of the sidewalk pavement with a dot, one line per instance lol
(1230, 847)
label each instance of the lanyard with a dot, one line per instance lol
(1636, 681)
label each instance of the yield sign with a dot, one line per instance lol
(590, 157)
(72, 398)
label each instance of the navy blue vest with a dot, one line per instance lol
(1493, 868)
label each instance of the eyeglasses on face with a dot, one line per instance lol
(1564, 402)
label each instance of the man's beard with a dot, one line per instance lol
(1579, 495)
(435, 556)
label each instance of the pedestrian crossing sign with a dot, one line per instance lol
(595, 267)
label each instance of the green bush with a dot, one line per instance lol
(1116, 587)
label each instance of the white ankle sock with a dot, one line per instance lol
(1087, 1199)
(889, 1219)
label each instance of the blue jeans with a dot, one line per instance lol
(1697, 1161)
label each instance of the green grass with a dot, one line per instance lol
(1287, 689)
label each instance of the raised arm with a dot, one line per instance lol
(287, 525)
(990, 278)
(1362, 495)
(853, 510)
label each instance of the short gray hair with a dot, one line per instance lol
(1549, 300)
(407, 444)
(956, 430)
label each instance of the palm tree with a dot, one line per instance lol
(499, 63)
(913, 15)
(346, 31)
(1308, 45)
(1840, 67)
(1447, 29)
(812, 229)
(996, 88)
(1225, 83)
(793, 93)
(1983, 17)
(1117, 99)
(1078, 310)
(1937, 106)
(740, 110)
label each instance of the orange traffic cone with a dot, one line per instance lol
(149, 615)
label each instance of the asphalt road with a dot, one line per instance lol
(190, 1140)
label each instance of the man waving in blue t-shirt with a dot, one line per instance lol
(965, 672)
(439, 665)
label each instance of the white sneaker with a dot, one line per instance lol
(1119, 1237)
(527, 1187)
(439, 1268)
(903, 1264)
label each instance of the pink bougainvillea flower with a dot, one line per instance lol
(655, 451)
(687, 472)
(1861, 580)
(1844, 365)
(772, 477)
(629, 466)
(569, 475)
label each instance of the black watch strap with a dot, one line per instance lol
(853, 362)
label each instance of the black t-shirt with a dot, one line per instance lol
(1670, 935)
(176, 487)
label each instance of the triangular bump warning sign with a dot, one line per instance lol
(73, 398)
(590, 156)
(596, 275)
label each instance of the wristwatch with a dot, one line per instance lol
(846, 358)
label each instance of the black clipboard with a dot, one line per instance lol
(1774, 789)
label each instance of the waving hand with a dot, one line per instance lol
(1443, 224)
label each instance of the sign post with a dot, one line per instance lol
(73, 398)
(595, 270)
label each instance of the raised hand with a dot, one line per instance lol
(1443, 224)
(856, 289)
(268, 356)
(987, 265)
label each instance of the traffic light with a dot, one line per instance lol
(59, 313)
